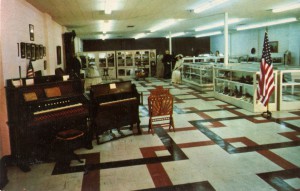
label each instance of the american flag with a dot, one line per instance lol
(266, 82)
(30, 70)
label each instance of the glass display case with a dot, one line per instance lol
(131, 62)
(238, 86)
(289, 89)
(200, 74)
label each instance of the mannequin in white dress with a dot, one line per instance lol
(176, 74)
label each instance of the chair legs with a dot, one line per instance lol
(171, 124)
(151, 125)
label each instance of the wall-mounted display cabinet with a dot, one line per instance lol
(289, 89)
(131, 61)
(123, 63)
(102, 60)
(238, 86)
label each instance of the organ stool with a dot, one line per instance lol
(67, 141)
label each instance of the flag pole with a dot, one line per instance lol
(267, 114)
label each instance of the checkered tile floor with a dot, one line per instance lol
(216, 146)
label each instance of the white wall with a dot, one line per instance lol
(241, 42)
(15, 17)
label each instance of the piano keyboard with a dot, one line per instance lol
(117, 101)
(57, 109)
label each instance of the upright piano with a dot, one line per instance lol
(114, 105)
(37, 109)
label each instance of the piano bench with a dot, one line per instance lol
(69, 140)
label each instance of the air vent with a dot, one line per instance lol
(130, 26)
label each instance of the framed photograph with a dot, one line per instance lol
(28, 50)
(31, 32)
(33, 52)
(58, 54)
(44, 50)
(41, 50)
(274, 46)
(23, 49)
(37, 52)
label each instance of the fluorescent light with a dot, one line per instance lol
(104, 26)
(215, 25)
(163, 25)
(281, 21)
(286, 8)
(103, 36)
(175, 35)
(141, 35)
(208, 34)
(208, 5)
(109, 6)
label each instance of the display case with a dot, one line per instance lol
(104, 60)
(289, 90)
(200, 74)
(107, 63)
(204, 58)
(130, 62)
(238, 86)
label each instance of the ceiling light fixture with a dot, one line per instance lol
(102, 36)
(281, 21)
(215, 25)
(175, 35)
(164, 24)
(104, 26)
(208, 34)
(108, 6)
(140, 35)
(208, 5)
(286, 8)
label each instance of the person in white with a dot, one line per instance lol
(176, 74)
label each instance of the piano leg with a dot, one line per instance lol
(23, 166)
(89, 135)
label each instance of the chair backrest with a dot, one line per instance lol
(160, 102)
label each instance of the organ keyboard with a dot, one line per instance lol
(37, 112)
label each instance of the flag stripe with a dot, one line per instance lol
(30, 70)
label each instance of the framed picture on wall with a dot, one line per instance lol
(33, 52)
(31, 32)
(41, 50)
(44, 50)
(274, 46)
(28, 50)
(23, 49)
(58, 54)
(37, 52)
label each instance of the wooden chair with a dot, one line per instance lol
(160, 105)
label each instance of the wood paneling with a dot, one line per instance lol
(188, 46)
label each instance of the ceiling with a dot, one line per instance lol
(131, 17)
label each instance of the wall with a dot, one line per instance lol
(185, 46)
(241, 42)
(16, 15)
